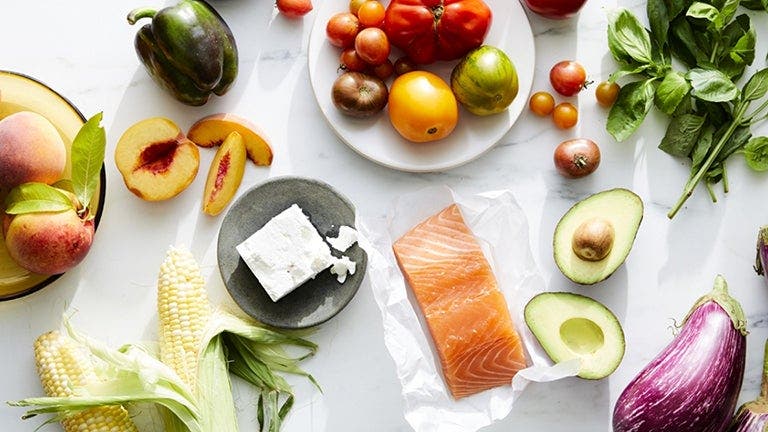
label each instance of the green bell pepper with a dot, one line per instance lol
(188, 49)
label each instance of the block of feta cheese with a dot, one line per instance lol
(347, 237)
(285, 253)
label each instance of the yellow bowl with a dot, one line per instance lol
(19, 92)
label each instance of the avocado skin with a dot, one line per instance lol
(626, 221)
(545, 314)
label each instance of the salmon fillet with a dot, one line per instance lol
(465, 311)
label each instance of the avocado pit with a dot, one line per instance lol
(593, 239)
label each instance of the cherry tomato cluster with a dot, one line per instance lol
(359, 33)
(568, 78)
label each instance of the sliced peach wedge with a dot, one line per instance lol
(156, 160)
(211, 131)
(225, 174)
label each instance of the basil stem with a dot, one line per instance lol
(696, 178)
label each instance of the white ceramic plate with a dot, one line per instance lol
(378, 141)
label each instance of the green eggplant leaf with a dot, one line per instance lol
(682, 134)
(756, 153)
(712, 85)
(671, 92)
(88, 150)
(628, 112)
(36, 198)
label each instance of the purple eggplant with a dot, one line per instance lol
(693, 384)
(761, 261)
(753, 416)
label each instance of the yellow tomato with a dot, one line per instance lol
(422, 107)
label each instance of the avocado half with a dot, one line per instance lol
(623, 209)
(572, 326)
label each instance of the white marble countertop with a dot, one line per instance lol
(85, 51)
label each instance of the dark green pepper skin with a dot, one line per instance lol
(188, 49)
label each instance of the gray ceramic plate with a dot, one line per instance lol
(318, 299)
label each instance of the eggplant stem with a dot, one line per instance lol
(140, 13)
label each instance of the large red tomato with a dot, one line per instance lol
(429, 30)
(555, 9)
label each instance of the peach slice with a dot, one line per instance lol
(225, 174)
(156, 160)
(212, 130)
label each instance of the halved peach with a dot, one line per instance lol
(211, 131)
(156, 160)
(225, 174)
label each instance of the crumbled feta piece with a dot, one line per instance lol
(342, 266)
(286, 252)
(347, 237)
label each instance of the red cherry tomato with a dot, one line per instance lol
(294, 8)
(372, 45)
(342, 29)
(404, 65)
(384, 70)
(351, 61)
(568, 77)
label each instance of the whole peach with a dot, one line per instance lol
(31, 150)
(48, 243)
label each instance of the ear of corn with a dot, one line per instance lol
(200, 347)
(184, 310)
(128, 374)
(64, 365)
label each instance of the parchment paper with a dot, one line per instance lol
(502, 230)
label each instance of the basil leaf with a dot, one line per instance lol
(718, 113)
(756, 153)
(659, 21)
(736, 142)
(756, 87)
(703, 11)
(88, 150)
(712, 85)
(682, 134)
(627, 70)
(671, 92)
(727, 11)
(627, 113)
(755, 4)
(675, 7)
(702, 147)
(36, 198)
(744, 48)
(627, 39)
(683, 42)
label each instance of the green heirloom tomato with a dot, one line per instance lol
(485, 81)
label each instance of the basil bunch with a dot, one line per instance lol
(710, 115)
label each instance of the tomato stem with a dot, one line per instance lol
(437, 11)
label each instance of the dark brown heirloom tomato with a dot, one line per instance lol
(359, 95)
(576, 158)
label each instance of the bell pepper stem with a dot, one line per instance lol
(140, 13)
